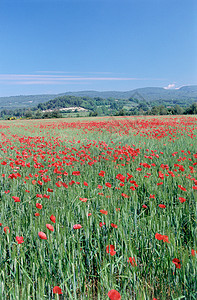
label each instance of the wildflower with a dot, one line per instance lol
(42, 235)
(177, 263)
(114, 225)
(125, 195)
(39, 206)
(161, 237)
(77, 226)
(6, 229)
(111, 250)
(132, 261)
(19, 239)
(108, 184)
(104, 212)
(101, 224)
(39, 196)
(114, 295)
(162, 206)
(52, 218)
(83, 199)
(182, 200)
(182, 188)
(57, 290)
(50, 227)
(16, 199)
(76, 173)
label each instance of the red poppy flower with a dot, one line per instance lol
(16, 199)
(39, 206)
(101, 224)
(85, 183)
(193, 252)
(104, 212)
(152, 196)
(99, 186)
(114, 295)
(49, 190)
(132, 188)
(132, 261)
(177, 263)
(83, 199)
(144, 206)
(182, 188)
(37, 214)
(76, 173)
(102, 173)
(182, 200)
(165, 239)
(108, 184)
(139, 169)
(111, 250)
(125, 195)
(162, 206)
(6, 229)
(19, 239)
(39, 196)
(77, 226)
(159, 236)
(57, 290)
(114, 225)
(42, 235)
(50, 227)
(52, 218)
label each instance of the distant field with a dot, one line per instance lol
(93, 205)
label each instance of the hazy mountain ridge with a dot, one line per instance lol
(186, 94)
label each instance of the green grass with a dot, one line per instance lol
(76, 260)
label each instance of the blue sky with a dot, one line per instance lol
(54, 46)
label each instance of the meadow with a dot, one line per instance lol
(98, 208)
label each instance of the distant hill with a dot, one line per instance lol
(182, 96)
(23, 101)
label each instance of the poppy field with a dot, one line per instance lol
(101, 208)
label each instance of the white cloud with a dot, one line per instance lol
(25, 79)
(170, 86)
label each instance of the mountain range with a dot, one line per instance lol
(184, 95)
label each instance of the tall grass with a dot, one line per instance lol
(76, 260)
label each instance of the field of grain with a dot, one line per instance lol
(100, 208)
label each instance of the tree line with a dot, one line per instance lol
(97, 107)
